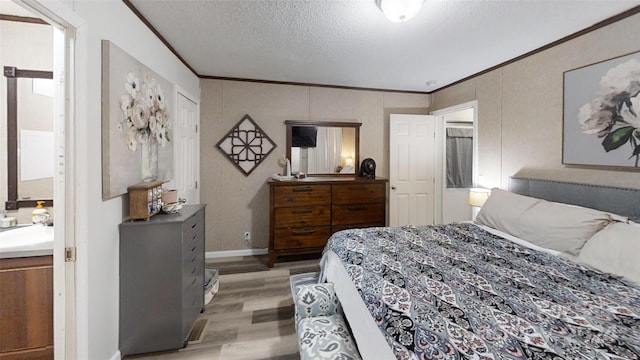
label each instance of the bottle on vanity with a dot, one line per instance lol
(40, 215)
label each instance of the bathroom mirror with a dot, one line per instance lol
(30, 138)
(323, 147)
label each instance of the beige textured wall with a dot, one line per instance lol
(238, 203)
(520, 109)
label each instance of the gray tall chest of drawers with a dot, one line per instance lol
(161, 280)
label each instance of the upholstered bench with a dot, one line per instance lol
(320, 325)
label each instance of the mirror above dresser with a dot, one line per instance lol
(323, 148)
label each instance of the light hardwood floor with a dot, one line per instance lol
(251, 316)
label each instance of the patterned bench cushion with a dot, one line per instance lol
(326, 337)
(316, 300)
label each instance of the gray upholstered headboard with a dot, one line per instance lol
(619, 201)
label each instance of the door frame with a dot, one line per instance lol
(71, 87)
(440, 152)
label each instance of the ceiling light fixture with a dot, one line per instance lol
(399, 10)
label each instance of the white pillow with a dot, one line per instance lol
(561, 228)
(614, 250)
(614, 217)
(553, 226)
(502, 210)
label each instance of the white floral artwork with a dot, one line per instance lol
(608, 115)
(136, 123)
(145, 112)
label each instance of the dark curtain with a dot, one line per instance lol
(459, 157)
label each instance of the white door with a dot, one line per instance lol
(412, 169)
(187, 157)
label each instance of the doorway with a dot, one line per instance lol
(61, 49)
(456, 161)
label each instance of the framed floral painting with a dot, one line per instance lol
(136, 123)
(601, 124)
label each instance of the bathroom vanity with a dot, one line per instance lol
(26, 299)
(26, 293)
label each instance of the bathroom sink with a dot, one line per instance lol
(26, 238)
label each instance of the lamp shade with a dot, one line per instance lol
(349, 161)
(399, 10)
(478, 196)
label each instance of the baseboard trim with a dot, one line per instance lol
(116, 356)
(232, 253)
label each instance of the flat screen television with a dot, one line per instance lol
(303, 136)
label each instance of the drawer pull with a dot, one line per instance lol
(194, 280)
(194, 259)
(193, 272)
(194, 248)
(302, 211)
(356, 208)
(194, 237)
(303, 189)
(302, 232)
(194, 225)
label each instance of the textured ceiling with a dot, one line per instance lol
(351, 43)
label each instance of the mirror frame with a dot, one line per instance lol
(356, 161)
(12, 74)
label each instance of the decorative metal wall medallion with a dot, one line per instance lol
(246, 145)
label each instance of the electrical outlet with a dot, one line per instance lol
(247, 235)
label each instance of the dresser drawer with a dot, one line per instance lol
(358, 193)
(301, 195)
(357, 214)
(192, 245)
(193, 224)
(191, 258)
(302, 216)
(295, 238)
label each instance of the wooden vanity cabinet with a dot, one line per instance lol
(26, 308)
(304, 213)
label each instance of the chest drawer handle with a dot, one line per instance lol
(194, 225)
(194, 280)
(303, 189)
(356, 208)
(302, 211)
(302, 232)
(194, 248)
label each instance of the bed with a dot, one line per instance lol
(532, 279)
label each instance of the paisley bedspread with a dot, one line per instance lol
(459, 292)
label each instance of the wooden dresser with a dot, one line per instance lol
(304, 213)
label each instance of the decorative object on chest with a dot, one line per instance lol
(145, 199)
(304, 213)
